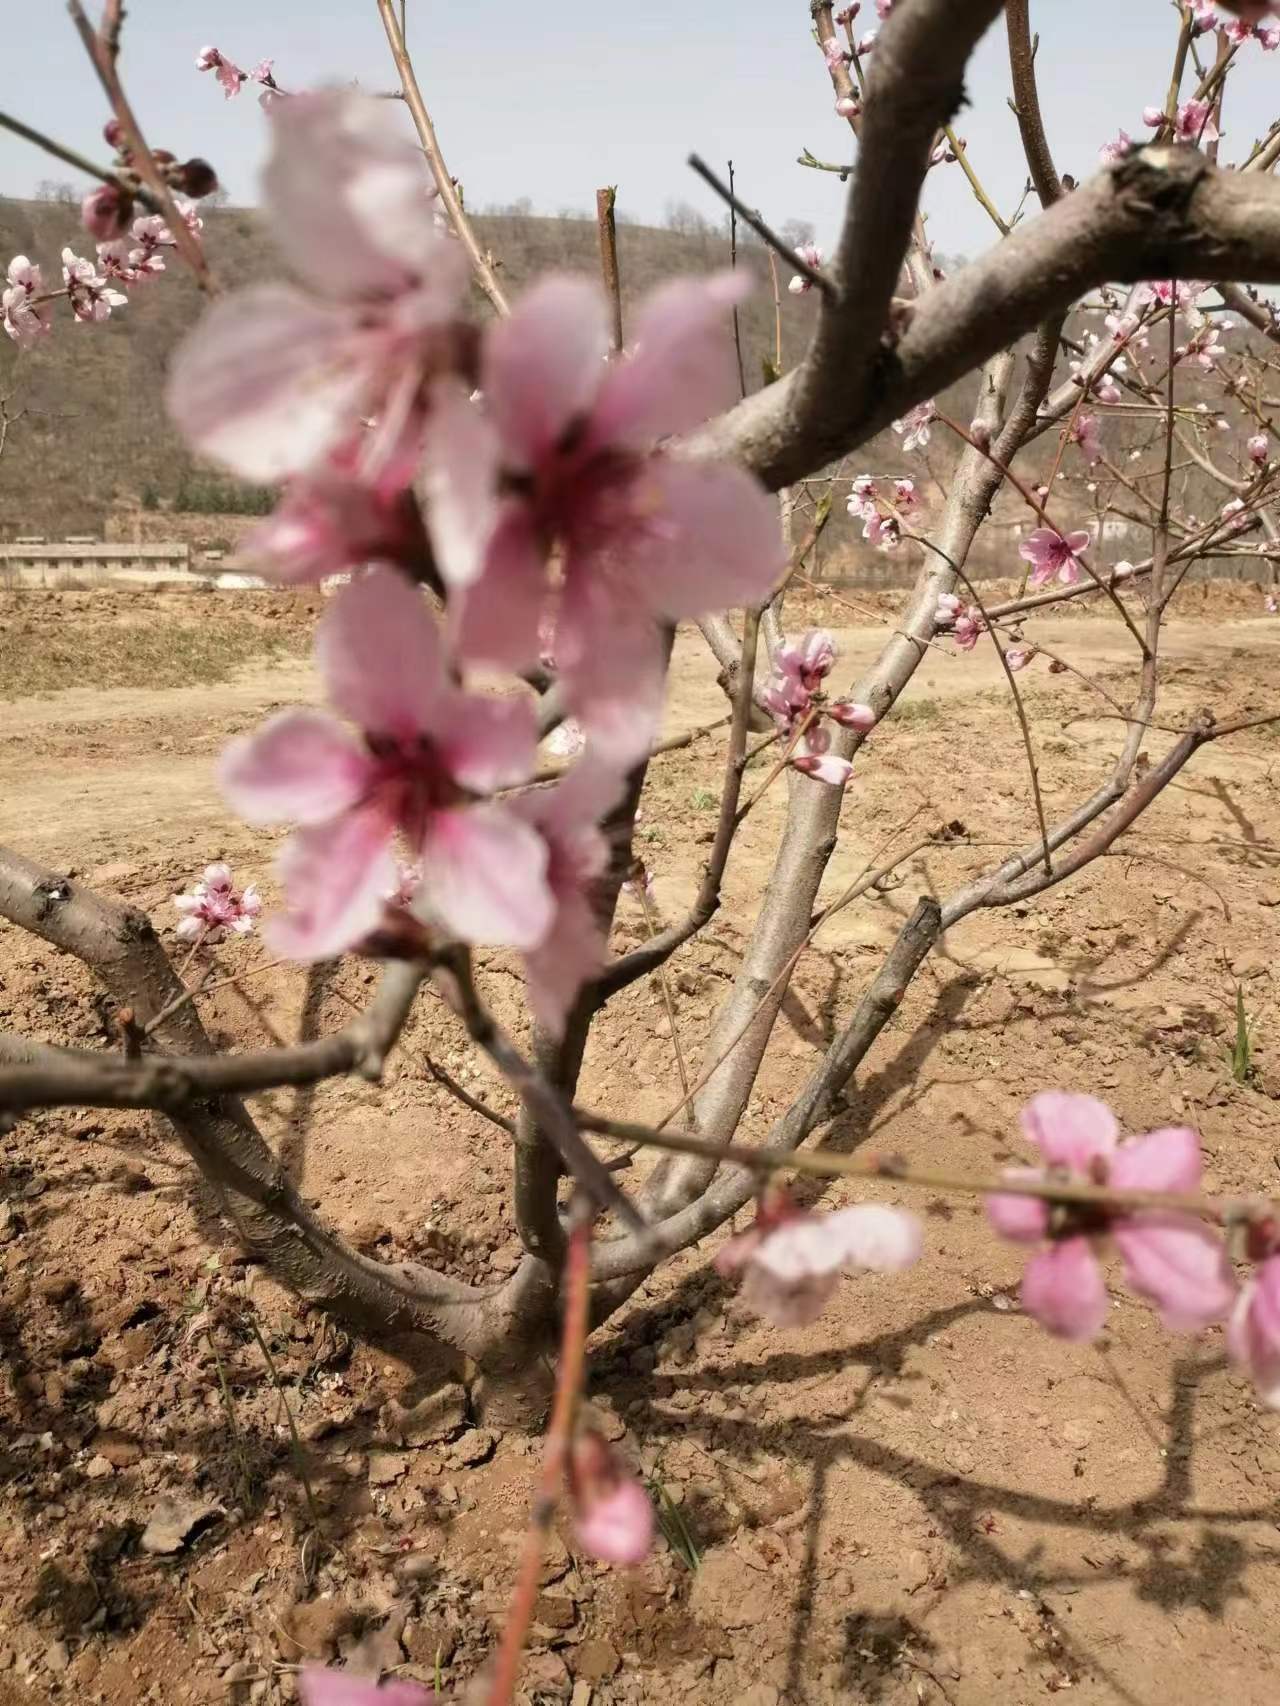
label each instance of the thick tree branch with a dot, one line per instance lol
(1164, 212)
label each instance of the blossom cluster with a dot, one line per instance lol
(232, 79)
(795, 698)
(882, 515)
(129, 248)
(215, 907)
(555, 522)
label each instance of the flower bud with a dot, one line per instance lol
(113, 133)
(613, 1516)
(194, 177)
(852, 715)
(106, 212)
(847, 107)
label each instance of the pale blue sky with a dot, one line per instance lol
(549, 101)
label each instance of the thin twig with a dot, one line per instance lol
(769, 235)
(823, 1164)
(570, 1379)
(480, 262)
(607, 229)
(69, 157)
(733, 262)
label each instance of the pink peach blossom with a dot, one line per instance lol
(230, 76)
(328, 522)
(1085, 433)
(612, 1514)
(106, 211)
(791, 1262)
(967, 627)
(799, 670)
(812, 254)
(1253, 1332)
(91, 297)
(26, 318)
(428, 753)
(915, 425)
(567, 816)
(1053, 554)
(1111, 153)
(321, 1687)
(274, 379)
(1171, 1259)
(862, 497)
(1259, 448)
(561, 451)
(215, 906)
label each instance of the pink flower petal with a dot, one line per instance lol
(1023, 1219)
(484, 875)
(299, 767)
(824, 768)
(335, 877)
(459, 478)
(544, 364)
(682, 370)
(379, 653)
(885, 1240)
(486, 743)
(1164, 1160)
(1064, 1289)
(264, 385)
(1069, 1130)
(709, 538)
(321, 1687)
(1180, 1265)
(611, 658)
(617, 1526)
(349, 198)
(496, 621)
(1253, 1332)
(571, 952)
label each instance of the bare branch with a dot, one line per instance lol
(480, 262)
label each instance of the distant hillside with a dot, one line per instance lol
(95, 437)
(94, 451)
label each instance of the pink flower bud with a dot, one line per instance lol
(613, 1516)
(1259, 448)
(113, 133)
(980, 433)
(847, 107)
(1153, 117)
(106, 212)
(852, 715)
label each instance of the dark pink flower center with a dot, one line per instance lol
(411, 782)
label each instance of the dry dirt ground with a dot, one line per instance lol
(920, 1498)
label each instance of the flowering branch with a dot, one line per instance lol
(103, 57)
